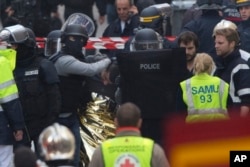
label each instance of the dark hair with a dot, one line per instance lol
(128, 115)
(142, 4)
(187, 37)
(24, 157)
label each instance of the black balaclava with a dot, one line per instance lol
(74, 48)
(24, 54)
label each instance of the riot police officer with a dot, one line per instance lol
(155, 17)
(73, 70)
(146, 39)
(37, 81)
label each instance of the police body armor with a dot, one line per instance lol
(73, 89)
(32, 94)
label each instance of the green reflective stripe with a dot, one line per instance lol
(6, 84)
(189, 95)
(207, 111)
(9, 98)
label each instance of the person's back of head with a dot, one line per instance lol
(57, 145)
(203, 63)
(147, 39)
(25, 157)
(128, 115)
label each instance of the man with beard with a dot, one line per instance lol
(234, 69)
(189, 41)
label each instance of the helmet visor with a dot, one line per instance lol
(147, 45)
(14, 34)
(82, 19)
(52, 46)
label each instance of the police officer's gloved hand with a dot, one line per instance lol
(95, 58)
(100, 56)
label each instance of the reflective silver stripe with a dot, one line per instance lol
(9, 98)
(244, 91)
(6, 84)
(189, 95)
(244, 55)
(222, 87)
(1, 109)
(236, 99)
(191, 108)
(207, 111)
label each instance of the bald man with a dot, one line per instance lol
(129, 147)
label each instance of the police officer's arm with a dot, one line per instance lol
(69, 65)
(51, 81)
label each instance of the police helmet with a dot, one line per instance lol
(240, 3)
(57, 142)
(81, 19)
(155, 17)
(14, 34)
(209, 4)
(53, 43)
(76, 29)
(150, 18)
(31, 41)
(146, 39)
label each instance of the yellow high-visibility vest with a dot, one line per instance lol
(8, 88)
(127, 150)
(205, 97)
